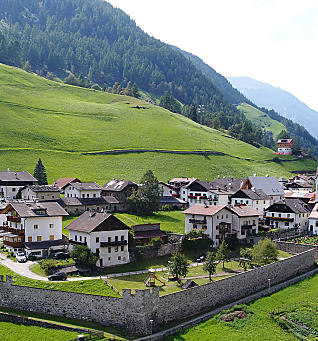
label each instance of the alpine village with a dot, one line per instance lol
(142, 196)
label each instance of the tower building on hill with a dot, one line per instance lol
(285, 146)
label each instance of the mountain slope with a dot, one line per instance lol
(285, 103)
(261, 119)
(226, 88)
(62, 123)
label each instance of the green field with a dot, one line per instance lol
(258, 325)
(261, 119)
(58, 123)
(14, 332)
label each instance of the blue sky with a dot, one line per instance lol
(273, 41)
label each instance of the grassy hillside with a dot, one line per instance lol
(59, 122)
(261, 119)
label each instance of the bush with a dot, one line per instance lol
(48, 265)
(83, 256)
(157, 242)
(165, 208)
(196, 240)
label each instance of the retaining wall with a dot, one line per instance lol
(295, 248)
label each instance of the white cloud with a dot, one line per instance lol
(274, 41)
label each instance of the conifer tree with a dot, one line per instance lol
(40, 173)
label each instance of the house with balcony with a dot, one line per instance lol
(254, 198)
(103, 234)
(83, 190)
(121, 190)
(313, 220)
(178, 183)
(63, 182)
(35, 228)
(285, 146)
(11, 183)
(287, 214)
(40, 193)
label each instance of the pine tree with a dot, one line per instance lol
(40, 173)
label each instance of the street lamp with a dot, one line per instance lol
(151, 322)
(269, 284)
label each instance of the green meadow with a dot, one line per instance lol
(57, 122)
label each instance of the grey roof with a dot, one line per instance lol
(295, 205)
(45, 244)
(88, 222)
(28, 210)
(228, 184)
(254, 194)
(87, 201)
(43, 188)
(117, 185)
(16, 176)
(269, 185)
(86, 186)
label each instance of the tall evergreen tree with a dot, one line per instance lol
(40, 173)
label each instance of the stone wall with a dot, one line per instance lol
(134, 311)
(295, 248)
(150, 252)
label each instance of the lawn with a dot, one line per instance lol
(66, 221)
(258, 325)
(93, 287)
(170, 221)
(86, 120)
(14, 332)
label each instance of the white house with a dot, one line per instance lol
(40, 193)
(167, 190)
(288, 213)
(255, 198)
(313, 220)
(83, 190)
(104, 234)
(12, 182)
(33, 227)
(269, 185)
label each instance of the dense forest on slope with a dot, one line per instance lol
(92, 40)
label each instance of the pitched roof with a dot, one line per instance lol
(314, 212)
(28, 210)
(289, 205)
(89, 222)
(149, 234)
(117, 185)
(87, 201)
(268, 184)
(17, 176)
(45, 244)
(285, 141)
(254, 194)
(210, 210)
(245, 211)
(43, 188)
(227, 184)
(63, 182)
(86, 186)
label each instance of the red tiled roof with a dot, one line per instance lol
(63, 182)
(203, 210)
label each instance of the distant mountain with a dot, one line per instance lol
(226, 88)
(285, 103)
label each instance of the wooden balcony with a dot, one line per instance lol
(76, 242)
(116, 243)
(13, 230)
(197, 221)
(279, 218)
(14, 219)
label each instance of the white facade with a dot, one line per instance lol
(208, 197)
(10, 192)
(166, 191)
(72, 192)
(285, 151)
(258, 205)
(286, 221)
(108, 255)
(29, 194)
(42, 228)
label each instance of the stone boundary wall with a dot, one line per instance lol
(150, 252)
(295, 248)
(18, 319)
(133, 312)
(202, 318)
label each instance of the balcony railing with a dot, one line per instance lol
(279, 218)
(13, 230)
(116, 243)
(14, 243)
(76, 242)
(14, 219)
(197, 221)
(247, 227)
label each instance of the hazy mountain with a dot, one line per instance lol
(285, 103)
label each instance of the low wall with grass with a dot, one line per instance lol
(134, 311)
(295, 248)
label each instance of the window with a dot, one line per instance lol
(29, 239)
(80, 238)
(195, 226)
(97, 251)
(109, 239)
(83, 195)
(273, 214)
(227, 216)
(94, 195)
(97, 239)
(87, 195)
(35, 227)
(122, 248)
(264, 202)
(76, 237)
(52, 237)
(39, 238)
(119, 257)
(51, 226)
(116, 238)
(121, 237)
(13, 189)
(287, 223)
(109, 258)
(85, 239)
(109, 250)
(279, 215)
(256, 201)
(288, 215)
(316, 223)
(116, 249)
(217, 217)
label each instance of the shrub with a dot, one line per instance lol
(157, 242)
(48, 265)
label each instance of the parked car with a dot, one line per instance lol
(59, 276)
(200, 259)
(61, 255)
(21, 258)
